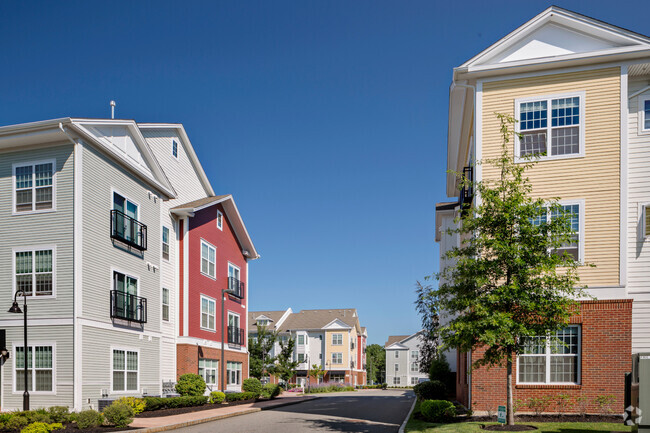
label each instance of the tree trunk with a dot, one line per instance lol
(509, 403)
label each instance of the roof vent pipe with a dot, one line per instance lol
(112, 109)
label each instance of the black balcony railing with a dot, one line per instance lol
(128, 230)
(129, 307)
(467, 191)
(236, 287)
(236, 335)
(351, 364)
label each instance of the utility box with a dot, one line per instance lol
(637, 394)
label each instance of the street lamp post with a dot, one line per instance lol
(16, 309)
(223, 349)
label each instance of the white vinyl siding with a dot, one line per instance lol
(208, 259)
(34, 186)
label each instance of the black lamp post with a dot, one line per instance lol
(16, 309)
(223, 349)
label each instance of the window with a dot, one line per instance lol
(396, 381)
(415, 354)
(301, 357)
(414, 367)
(234, 280)
(208, 259)
(396, 354)
(34, 272)
(165, 243)
(40, 361)
(207, 313)
(34, 186)
(337, 358)
(125, 370)
(414, 381)
(233, 371)
(219, 220)
(646, 220)
(644, 114)
(208, 370)
(551, 360)
(263, 322)
(165, 304)
(560, 118)
(175, 149)
(125, 222)
(396, 368)
(301, 340)
(337, 339)
(573, 212)
(235, 333)
(337, 377)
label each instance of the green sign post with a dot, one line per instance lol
(501, 414)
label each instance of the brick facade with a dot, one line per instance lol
(187, 360)
(606, 345)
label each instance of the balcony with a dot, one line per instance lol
(236, 287)
(236, 336)
(467, 192)
(128, 307)
(128, 230)
(351, 364)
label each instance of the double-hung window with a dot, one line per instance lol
(40, 367)
(551, 359)
(125, 370)
(34, 272)
(337, 358)
(396, 354)
(396, 368)
(644, 115)
(234, 373)
(414, 367)
(301, 357)
(33, 186)
(165, 304)
(208, 370)
(337, 339)
(414, 381)
(208, 313)
(301, 340)
(415, 354)
(396, 381)
(550, 127)
(574, 212)
(165, 243)
(208, 259)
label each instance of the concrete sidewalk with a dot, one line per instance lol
(171, 422)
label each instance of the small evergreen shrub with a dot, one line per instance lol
(430, 390)
(157, 403)
(59, 414)
(119, 414)
(190, 385)
(271, 390)
(217, 397)
(240, 396)
(89, 418)
(137, 404)
(38, 415)
(438, 410)
(17, 422)
(5, 417)
(384, 385)
(253, 385)
(41, 427)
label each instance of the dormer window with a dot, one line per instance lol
(262, 322)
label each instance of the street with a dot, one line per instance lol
(364, 411)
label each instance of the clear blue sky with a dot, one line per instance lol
(326, 120)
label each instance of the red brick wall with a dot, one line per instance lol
(187, 360)
(606, 349)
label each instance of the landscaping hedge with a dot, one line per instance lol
(239, 396)
(155, 403)
(430, 390)
(438, 410)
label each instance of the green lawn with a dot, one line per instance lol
(416, 426)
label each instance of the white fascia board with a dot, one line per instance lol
(341, 325)
(461, 107)
(284, 317)
(396, 346)
(33, 126)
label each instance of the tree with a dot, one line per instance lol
(260, 350)
(429, 341)
(316, 372)
(376, 362)
(508, 281)
(285, 366)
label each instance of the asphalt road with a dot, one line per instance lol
(360, 411)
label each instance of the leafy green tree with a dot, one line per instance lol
(316, 372)
(260, 352)
(376, 363)
(508, 281)
(285, 366)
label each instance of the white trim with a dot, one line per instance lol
(186, 277)
(162, 242)
(232, 313)
(33, 344)
(33, 250)
(92, 323)
(478, 140)
(209, 245)
(549, 128)
(13, 186)
(643, 211)
(126, 198)
(162, 305)
(332, 363)
(125, 350)
(210, 299)
(37, 321)
(126, 274)
(219, 220)
(337, 344)
(78, 276)
(641, 115)
(209, 343)
(623, 178)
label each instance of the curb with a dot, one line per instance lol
(406, 420)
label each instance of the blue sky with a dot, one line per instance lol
(326, 120)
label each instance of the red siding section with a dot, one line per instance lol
(181, 285)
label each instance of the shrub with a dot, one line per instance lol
(430, 390)
(539, 404)
(438, 410)
(563, 402)
(271, 390)
(604, 403)
(59, 414)
(156, 403)
(38, 415)
(137, 404)
(5, 417)
(190, 385)
(41, 427)
(384, 385)
(217, 397)
(119, 414)
(240, 396)
(253, 385)
(89, 419)
(17, 422)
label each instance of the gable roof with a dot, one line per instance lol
(319, 319)
(395, 339)
(274, 316)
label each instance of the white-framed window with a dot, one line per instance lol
(301, 357)
(396, 368)
(644, 114)
(175, 149)
(208, 259)
(301, 340)
(574, 210)
(415, 354)
(550, 126)
(233, 371)
(337, 358)
(208, 308)
(34, 271)
(645, 216)
(263, 322)
(551, 360)
(165, 243)
(337, 339)
(165, 304)
(337, 377)
(34, 186)
(396, 354)
(125, 370)
(209, 370)
(234, 279)
(414, 367)
(396, 380)
(414, 381)
(40, 368)
(219, 220)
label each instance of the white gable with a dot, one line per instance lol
(337, 324)
(120, 139)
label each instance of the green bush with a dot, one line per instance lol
(430, 390)
(59, 414)
(38, 415)
(137, 404)
(17, 422)
(5, 417)
(190, 385)
(89, 419)
(240, 396)
(157, 403)
(217, 397)
(253, 385)
(438, 410)
(384, 385)
(119, 414)
(271, 390)
(41, 427)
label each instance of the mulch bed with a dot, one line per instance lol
(552, 418)
(181, 410)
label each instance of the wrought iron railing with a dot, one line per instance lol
(128, 230)
(467, 191)
(129, 307)
(236, 335)
(236, 287)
